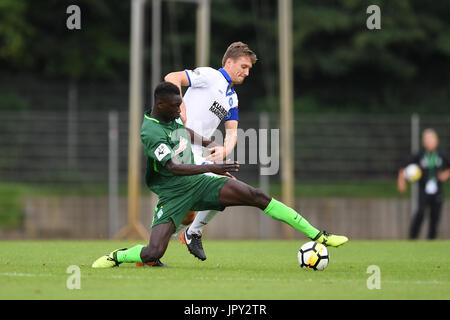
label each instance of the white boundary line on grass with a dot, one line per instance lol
(155, 277)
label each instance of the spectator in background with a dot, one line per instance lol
(435, 171)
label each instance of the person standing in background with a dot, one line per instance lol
(435, 171)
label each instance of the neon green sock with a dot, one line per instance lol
(280, 211)
(131, 255)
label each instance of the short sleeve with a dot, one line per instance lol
(233, 114)
(157, 149)
(199, 77)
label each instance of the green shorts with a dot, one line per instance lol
(202, 195)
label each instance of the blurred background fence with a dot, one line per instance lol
(55, 148)
(71, 169)
(64, 101)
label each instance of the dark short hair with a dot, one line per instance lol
(165, 89)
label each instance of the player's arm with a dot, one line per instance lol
(444, 175)
(200, 140)
(219, 153)
(180, 79)
(182, 169)
(161, 152)
(401, 181)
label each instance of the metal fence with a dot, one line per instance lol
(48, 147)
(89, 149)
(358, 218)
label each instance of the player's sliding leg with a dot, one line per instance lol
(237, 193)
(192, 241)
(148, 255)
(201, 220)
(192, 236)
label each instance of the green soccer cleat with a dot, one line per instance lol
(331, 240)
(107, 261)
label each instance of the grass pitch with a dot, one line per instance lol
(234, 270)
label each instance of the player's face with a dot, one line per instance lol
(430, 141)
(239, 69)
(170, 107)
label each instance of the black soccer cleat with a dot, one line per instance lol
(194, 244)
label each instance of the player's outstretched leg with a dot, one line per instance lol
(193, 241)
(144, 255)
(192, 236)
(108, 261)
(201, 220)
(237, 193)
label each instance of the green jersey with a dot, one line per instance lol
(177, 194)
(163, 141)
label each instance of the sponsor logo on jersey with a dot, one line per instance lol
(162, 151)
(218, 110)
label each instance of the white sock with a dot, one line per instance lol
(201, 220)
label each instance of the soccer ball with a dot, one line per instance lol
(413, 173)
(313, 255)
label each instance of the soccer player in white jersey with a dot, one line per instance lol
(209, 100)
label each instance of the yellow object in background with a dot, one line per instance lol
(413, 173)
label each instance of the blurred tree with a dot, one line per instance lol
(99, 50)
(14, 30)
(340, 65)
(36, 34)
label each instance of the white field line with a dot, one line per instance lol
(155, 277)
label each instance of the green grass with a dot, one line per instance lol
(233, 270)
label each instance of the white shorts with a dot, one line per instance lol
(200, 160)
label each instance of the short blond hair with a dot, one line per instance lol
(429, 131)
(237, 50)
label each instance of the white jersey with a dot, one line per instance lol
(209, 99)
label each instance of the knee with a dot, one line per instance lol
(152, 253)
(261, 198)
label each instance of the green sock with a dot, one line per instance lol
(280, 211)
(131, 255)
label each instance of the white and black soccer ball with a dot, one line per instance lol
(413, 173)
(313, 255)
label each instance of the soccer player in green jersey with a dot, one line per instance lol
(182, 186)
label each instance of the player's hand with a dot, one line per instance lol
(217, 153)
(401, 185)
(444, 175)
(224, 169)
